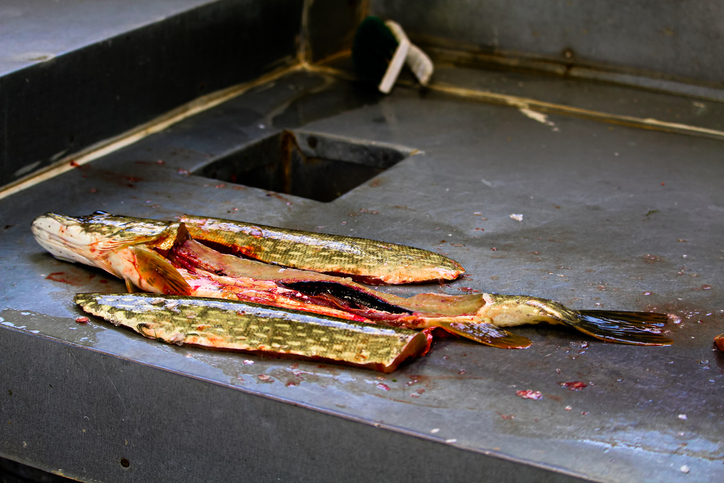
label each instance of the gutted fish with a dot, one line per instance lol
(365, 260)
(120, 245)
(168, 260)
(230, 325)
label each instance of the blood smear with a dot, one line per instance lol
(528, 394)
(574, 385)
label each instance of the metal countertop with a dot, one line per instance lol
(614, 217)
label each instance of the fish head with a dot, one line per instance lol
(89, 239)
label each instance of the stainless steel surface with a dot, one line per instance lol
(661, 40)
(74, 74)
(36, 32)
(613, 217)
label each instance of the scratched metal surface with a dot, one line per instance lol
(613, 218)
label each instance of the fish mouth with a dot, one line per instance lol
(63, 236)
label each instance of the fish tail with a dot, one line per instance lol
(637, 328)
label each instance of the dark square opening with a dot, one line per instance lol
(309, 165)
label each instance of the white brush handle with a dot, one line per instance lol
(395, 66)
(419, 62)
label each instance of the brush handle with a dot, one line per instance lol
(395, 66)
(417, 60)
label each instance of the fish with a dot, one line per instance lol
(171, 261)
(480, 317)
(122, 246)
(365, 260)
(242, 326)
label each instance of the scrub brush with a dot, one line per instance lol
(379, 51)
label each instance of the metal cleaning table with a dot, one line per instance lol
(613, 217)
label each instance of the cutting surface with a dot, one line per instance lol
(612, 218)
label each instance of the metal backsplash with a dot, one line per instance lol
(669, 39)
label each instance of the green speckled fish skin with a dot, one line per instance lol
(231, 325)
(86, 238)
(368, 260)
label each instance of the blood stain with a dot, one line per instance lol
(529, 394)
(574, 385)
(61, 277)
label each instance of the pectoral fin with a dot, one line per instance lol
(488, 334)
(158, 272)
(130, 287)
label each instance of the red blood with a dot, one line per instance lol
(528, 394)
(574, 385)
(61, 277)
(384, 387)
(719, 341)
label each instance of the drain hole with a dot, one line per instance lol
(313, 166)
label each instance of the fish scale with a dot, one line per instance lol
(249, 327)
(370, 260)
(162, 257)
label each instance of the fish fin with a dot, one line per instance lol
(488, 334)
(158, 272)
(129, 286)
(645, 320)
(637, 328)
(165, 240)
(182, 234)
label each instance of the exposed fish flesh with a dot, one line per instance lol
(477, 317)
(166, 259)
(229, 325)
(365, 260)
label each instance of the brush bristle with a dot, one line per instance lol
(372, 50)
